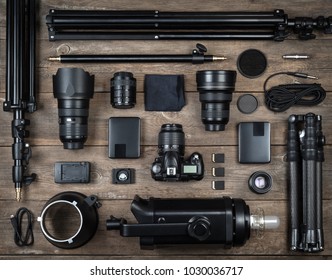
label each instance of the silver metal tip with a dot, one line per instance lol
(54, 58)
(18, 194)
(215, 58)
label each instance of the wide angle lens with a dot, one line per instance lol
(216, 88)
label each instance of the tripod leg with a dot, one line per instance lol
(310, 209)
(294, 189)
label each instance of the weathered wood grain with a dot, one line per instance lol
(47, 148)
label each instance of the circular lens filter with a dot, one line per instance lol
(252, 63)
(247, 104)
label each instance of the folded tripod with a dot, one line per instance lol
(20, 83)
(305, 156)
(157, 25)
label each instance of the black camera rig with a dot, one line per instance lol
(222, 220)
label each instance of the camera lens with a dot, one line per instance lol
(123, 90)
(73, 87)
(216, 88)
(260, 182)
(171, 138)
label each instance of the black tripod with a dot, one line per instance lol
(156, 25)
(305, 156)
(20, 83)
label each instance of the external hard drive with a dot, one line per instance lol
(124, 137)
(254, 142)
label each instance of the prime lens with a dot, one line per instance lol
(123, 90)
(171, 138)
(73, 87)
(216, 88)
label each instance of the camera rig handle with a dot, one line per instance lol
(143, 230)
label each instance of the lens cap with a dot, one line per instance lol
(252, 63)
(247, 104)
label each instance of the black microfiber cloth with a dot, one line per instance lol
(164, 92)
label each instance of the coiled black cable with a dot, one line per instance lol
(282, 97)
(17, 223)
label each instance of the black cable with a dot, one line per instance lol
(282, 97)
(28, 238)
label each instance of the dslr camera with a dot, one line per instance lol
(171, 165)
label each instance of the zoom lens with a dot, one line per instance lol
(216, 88)
(171, 138)
(73, 87)
(123, 90)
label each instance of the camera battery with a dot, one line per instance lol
(72, 172)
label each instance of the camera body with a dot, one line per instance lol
(171, 164)
(173, 167)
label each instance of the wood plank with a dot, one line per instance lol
(47, 148)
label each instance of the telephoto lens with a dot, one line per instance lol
(123, 90)
(171, 139)
(215, 93)
(73, 87)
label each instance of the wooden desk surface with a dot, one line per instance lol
(115, 199)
